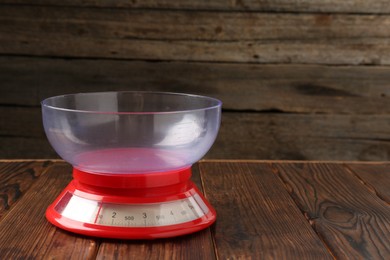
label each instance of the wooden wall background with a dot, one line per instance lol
(300, 79)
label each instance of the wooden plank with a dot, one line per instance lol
(264, 136)
(65, 245)
(335, 202)
(327, 6)
(15, 180)
(338, 52)
(375, 176)
(21, 122)
(287, 88)
(194, 246)
(222, 37)
(128, 24)
(302, 137)
(25, 148)
(27, 235)
(256, 217)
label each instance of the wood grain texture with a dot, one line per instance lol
(327, 6)
(302, 137)
(25, 148)
(257, 87)
(26, 234)
(376, 177)
(128, 24)
(252, 136)
(221, 37)
(335, 202)
(194, 246)
(15, 180)
(338, 52)
(256, 217)
(285, 56)
(22, 122)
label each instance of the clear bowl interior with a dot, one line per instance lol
(131, 132)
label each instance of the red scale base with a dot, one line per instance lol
(131, 206)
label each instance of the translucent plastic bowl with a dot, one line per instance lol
(131, 132)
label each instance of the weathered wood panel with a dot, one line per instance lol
(222, 37)
(327, 6)
(375, 177)
(309, 125)
(303, 137)
(25, 148)
(253, 55)
(285, 88)
(15, 179)
(127, 24)
(257, 219)
(194, 246)
(335, 202)
(26, 234)
(338, 52)
(253, 136)
(21, 122)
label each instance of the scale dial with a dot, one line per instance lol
(159, 214)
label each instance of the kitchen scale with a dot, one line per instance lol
(131, 154)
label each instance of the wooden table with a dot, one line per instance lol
(266, 209)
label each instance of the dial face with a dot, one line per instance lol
(131, 215)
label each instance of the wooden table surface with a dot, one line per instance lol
(266, 209)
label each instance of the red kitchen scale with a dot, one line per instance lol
(132, 154)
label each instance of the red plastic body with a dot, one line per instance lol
(131, 189)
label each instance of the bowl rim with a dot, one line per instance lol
(216, 103)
